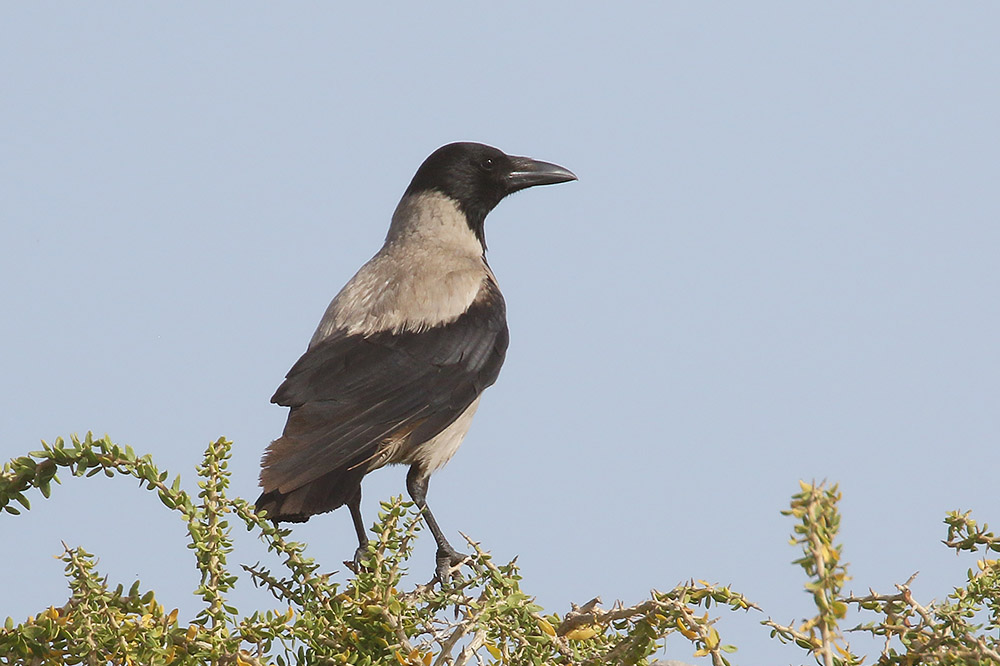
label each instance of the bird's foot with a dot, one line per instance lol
(449, 561)
(357, 564)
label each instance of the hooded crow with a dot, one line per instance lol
(397, 365)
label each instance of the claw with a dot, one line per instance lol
(449, 562)
(357, 564)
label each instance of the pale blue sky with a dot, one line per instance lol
(781, 261)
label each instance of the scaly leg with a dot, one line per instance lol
(354, 505)
(447, 557)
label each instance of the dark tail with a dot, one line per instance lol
(328, 492)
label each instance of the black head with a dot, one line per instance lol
(478, 177)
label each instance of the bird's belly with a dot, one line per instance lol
(435, 453)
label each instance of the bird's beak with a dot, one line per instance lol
(528, 173)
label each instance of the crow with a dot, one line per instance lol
(396, 368)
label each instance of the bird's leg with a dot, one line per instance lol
(354, 504)
(447, 557)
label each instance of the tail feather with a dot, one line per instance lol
(328, 492)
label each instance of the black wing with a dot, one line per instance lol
(350, 393)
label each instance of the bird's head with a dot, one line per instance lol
(478, 177)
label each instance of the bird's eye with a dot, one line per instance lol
(487, 164)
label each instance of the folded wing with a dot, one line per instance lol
(351, 394)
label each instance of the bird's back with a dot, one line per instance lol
(418, 279)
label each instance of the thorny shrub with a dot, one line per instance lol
(481, 617)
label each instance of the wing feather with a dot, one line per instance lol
(349, 394)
